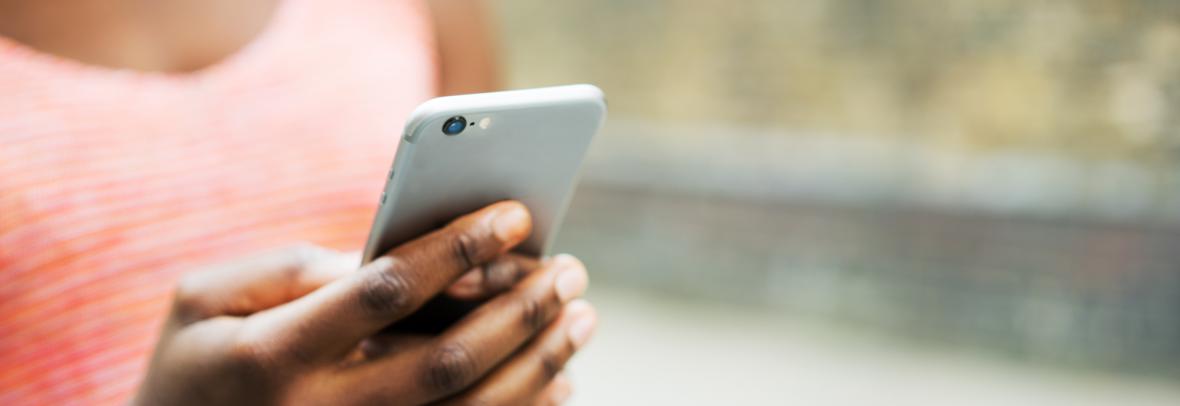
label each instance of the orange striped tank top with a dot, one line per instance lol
(114, 182)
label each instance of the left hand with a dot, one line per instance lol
(297, 326)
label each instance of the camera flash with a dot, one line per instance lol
(485, 122)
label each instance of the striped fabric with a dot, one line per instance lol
(112, 183)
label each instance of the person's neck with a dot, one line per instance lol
(152, 35)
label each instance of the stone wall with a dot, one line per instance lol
(997, 174)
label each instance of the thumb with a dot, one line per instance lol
(253, 284)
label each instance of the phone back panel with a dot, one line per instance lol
(529, 149)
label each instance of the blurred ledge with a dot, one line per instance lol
(767, 165)
(875, 232)
(1070, 294)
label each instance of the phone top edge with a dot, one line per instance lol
(586, 98)
(440, 107)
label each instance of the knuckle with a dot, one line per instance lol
(188, 298)
(449, 369)
(551, 365)
(501, 274)
(272, 353)
(187, 290)
(256, 349)
(533, 314)
(386, 290)
(293, 262)
(300, 255)
(245, 362)
(246, 354)
(465, 249)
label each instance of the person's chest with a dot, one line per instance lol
(112, 183)
(161, 35)
(285, 141)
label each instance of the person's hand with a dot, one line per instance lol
(297, 326)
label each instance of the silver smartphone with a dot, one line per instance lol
(460, 153)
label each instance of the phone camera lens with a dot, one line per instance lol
(454, 125)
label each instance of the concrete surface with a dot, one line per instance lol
(666, 350)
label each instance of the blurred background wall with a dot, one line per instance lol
(993, 177)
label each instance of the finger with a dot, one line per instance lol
(556, 393)
(381, 345)
(329, 322)
(484, 338)
(523, 377)
(493, 278)
(253, 284)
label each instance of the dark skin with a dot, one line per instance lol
(301, 325)
(189, 35)
(296, 326)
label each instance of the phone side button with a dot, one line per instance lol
(382, 198)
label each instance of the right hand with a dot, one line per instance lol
(286, 328)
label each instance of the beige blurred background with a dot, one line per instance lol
(858, 201)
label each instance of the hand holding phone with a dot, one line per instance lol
(299, 325)
(460, 153)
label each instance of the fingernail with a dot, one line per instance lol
(583, 325)
(510, 222)
(571, 280)
(469, 283)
